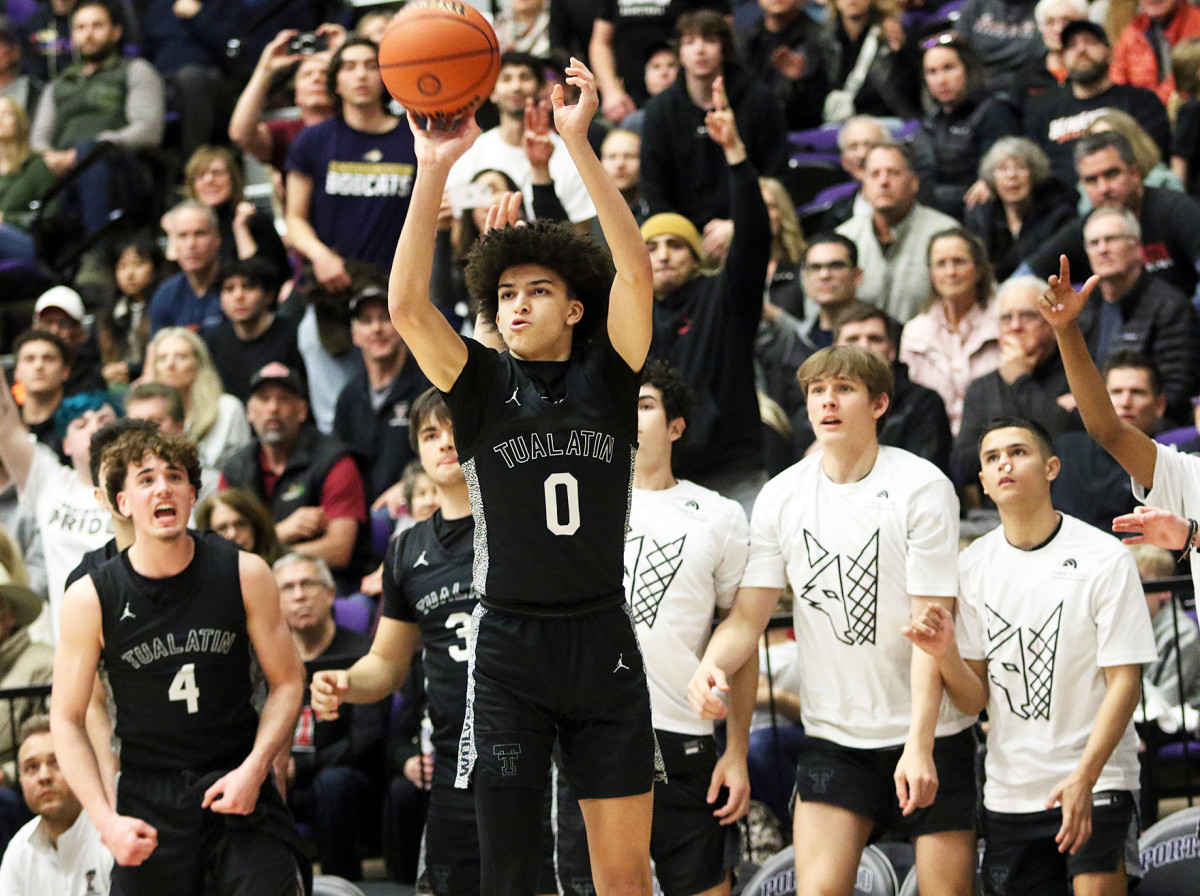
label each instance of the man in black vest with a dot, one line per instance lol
(105, 97)
(308, 480)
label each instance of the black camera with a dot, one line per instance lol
(308, 43)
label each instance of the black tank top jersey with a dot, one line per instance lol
(547, 449)
(427, 581)
(177, 658)
(93, 560)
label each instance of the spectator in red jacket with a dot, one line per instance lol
(1142, 56)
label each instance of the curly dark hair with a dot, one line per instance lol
(584, 265)
(132, 448)
(678, 399)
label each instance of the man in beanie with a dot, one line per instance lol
(706, 325)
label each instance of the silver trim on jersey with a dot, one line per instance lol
(479, 564)
(466, 742)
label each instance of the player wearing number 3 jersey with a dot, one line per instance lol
(173, 622)
(546, 434)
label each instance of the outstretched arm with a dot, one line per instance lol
(439, 350)
(632, 296)
(246, 128)
(373, 676)
(237, 792)
(1132, 448)
(731, 646)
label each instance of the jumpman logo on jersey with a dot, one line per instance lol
(513, 398)
(846, 596)
(620, 664)
(421, 561)
(127, 613)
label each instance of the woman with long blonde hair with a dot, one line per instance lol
(214, 419)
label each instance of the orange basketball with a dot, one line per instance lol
(439, 58)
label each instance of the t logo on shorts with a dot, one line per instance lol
(507, 754)
(820, 778)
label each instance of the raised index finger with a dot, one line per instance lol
(1064, 270)
(720, 100)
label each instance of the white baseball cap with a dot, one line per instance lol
(62, 297)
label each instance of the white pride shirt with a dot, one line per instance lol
(854, 553)
(71, 521)
(1176, 488)
(1048, 622)
(684, 557)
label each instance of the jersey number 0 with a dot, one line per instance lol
(554, 520)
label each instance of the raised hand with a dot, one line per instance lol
(574, 120)
(1061, 304)
(719, 121)
(442, 146)
(1153, 526)
(275, 56)
(788, 62)
(506, 210)
(536, 138)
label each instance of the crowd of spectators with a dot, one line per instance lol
(200, 200)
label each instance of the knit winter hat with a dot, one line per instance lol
(671, 224)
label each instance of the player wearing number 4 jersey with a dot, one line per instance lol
(173, 620)
(546, 435)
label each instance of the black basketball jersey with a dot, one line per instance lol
(548, 449)
(177, 658)
(427, 581)
(92, 561)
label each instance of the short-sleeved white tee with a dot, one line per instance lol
(71, 521)
(684, 558)
(1176, 488)
(854, 553)
(490, 151)
(1048, 621)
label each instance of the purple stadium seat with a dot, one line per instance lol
(351, 614)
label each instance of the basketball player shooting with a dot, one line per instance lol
(546, 435)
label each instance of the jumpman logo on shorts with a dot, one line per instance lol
(513, 398)
(620, 664)
(127, 613)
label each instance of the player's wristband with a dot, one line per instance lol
(1187, 545)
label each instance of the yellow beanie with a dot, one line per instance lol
(671, 224)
